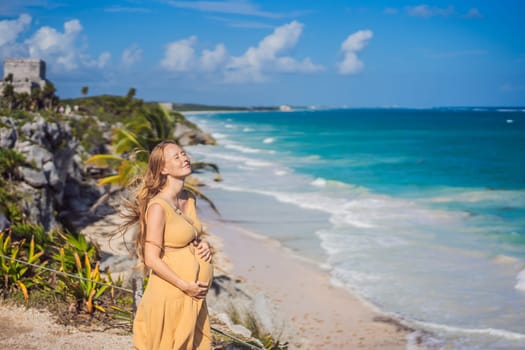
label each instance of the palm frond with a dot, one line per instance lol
(110, 180)
(104, 160)
(125, 141)
(201, 195)
(203, 165)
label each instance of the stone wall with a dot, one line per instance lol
(28, 73)
(25, 68)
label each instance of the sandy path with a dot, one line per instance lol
(34, 329)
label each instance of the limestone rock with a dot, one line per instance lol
(54, 182)
(4, 223)
(35, 178)
(34, 153)
(8, 136)
(38, 205)
(189, 136)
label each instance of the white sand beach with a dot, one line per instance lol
(303, 308)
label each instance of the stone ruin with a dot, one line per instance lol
(28, 74)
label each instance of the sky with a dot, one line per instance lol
(265, 53)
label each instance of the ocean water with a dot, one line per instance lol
(421, 212)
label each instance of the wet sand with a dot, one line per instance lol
(308, 307)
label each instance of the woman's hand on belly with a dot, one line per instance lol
(196, 290)
(203, 250)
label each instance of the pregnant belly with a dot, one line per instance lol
(183, 263)
(205, 273)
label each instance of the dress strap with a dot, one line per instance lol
(156, 244)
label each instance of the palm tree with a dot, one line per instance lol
(131, 93)
(23, 101)
(48, 95)
(9, 78)
(131, 146)
(9, 95)
(84, 91)
(36, 103)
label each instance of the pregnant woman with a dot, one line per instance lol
(172, 313)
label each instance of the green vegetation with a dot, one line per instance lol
(110, 109)
(88, 131)
(64, 265)
(64, 275)
(137, 127)
(248, 319)
(10, 160)
(143, 127)
(16, 274)
(37, 100)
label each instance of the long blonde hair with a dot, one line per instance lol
(143, 189)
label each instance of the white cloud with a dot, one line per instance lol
(213, 60)
(103, 59)
(131, 55)
(10, 29)
(49, 44)
(256, 61)
(61, 50)
(269, 56)
(9, 33)
(427, 11)
(180, 55)
(351, 64)
(354, 42)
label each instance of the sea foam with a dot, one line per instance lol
(242, 149)
(396, 250)
(520, 284)
(452, 330)
(319, 182)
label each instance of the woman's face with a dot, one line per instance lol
(176, 162)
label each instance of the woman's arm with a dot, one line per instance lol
(155, 221)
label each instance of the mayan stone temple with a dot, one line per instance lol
(27, 73)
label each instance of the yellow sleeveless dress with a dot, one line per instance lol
(166, 317)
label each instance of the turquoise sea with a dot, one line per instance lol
(419, 211)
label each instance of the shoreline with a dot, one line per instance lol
(293, 298)
(305, 306)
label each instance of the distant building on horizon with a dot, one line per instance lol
(28, 74)
(167, 106)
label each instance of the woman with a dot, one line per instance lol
(172, 313)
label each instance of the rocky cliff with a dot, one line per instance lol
(55, 186)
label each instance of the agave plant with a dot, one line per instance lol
(90, 285)
(70, 244)
(16, 274)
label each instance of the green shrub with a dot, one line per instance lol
(15, 274)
